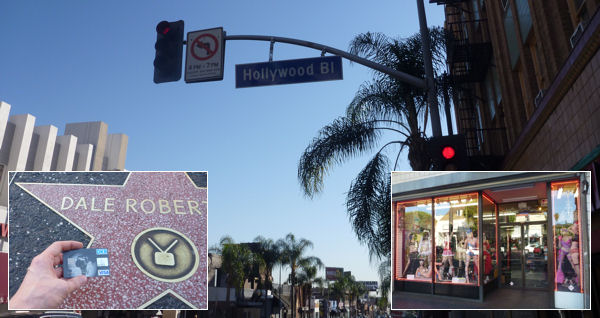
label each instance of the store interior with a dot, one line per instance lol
(438, 240)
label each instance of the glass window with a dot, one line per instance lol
(525, 21)
(413, 240)
(489, 88)
(524, 211)
(498, 89)
(511, 36)
(480, 127)
(565, 210)
(476, 15)
(489, 240)
(456, 242)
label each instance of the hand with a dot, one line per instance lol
(44, 286)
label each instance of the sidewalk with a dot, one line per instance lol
(502, 298)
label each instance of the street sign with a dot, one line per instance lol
(316, 69)
(204, 59)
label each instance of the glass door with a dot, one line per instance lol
(535, 254)
(511, 247)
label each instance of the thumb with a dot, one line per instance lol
(75, 283)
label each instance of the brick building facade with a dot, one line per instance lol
(527, 79)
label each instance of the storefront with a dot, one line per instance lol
(465, 234)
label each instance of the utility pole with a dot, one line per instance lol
(436, 126)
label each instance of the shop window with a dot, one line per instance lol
(566, 227)
(523, 211)
(489, 240)
(456, 240)
(413, 241)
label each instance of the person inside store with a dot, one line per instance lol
(44, 286)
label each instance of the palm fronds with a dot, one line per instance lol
(336, 143)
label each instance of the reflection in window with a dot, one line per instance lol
(457, 247)
(526, 211)
(565, 209)
(413, 240)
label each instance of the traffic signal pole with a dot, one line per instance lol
(404, 77)
(164, 72)
(436, 126)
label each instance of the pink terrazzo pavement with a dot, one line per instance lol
(127, 287)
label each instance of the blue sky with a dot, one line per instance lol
(70, 61)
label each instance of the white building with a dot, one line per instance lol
(26, 147)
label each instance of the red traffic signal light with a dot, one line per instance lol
(163, 27)
(169, 51)
(448, 152)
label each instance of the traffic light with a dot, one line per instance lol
(169, 51)
(448, 153)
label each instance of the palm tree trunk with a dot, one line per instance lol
(447, 108)
(292, 299)
(227, 299)
(412, 116)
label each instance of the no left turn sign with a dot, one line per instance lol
(204, 47)
(204, 55)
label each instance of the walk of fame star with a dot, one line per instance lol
(166, 208)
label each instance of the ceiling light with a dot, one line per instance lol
(511, 187)
(516, 199)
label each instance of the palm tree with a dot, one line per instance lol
(385, 275)
(385, 104)
(294, 255)
(235, 261)
(270, 253)
(355, 290)
(339, 289)
(347, 289)
(386, 116)
(306, 278)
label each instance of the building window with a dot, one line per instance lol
(476, 14)
(480, 127)
(578, 11)
(489, 89)
(511, 36)
(497, 87)
(414, 241)
(534, 58)
(524, 15)
(457, 243)
(566, 226)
